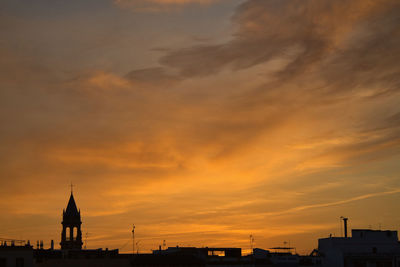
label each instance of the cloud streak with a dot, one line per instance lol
(330, 204)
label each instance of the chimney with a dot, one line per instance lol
(345, 226)
(52, 245)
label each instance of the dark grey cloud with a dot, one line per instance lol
(266, 29)
(370, 59)
(156, 76)
(347, 43)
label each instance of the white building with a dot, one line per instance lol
(366, 248)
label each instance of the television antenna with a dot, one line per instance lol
(133, 239)
(251, 243)
(86, 238)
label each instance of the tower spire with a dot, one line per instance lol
(71, 235)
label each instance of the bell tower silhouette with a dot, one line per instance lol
(71, 235)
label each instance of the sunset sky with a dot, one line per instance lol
(202, 122)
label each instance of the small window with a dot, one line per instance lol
(19, 262)
(216, 253)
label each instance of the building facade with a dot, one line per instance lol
(12, 255)
(366, 248)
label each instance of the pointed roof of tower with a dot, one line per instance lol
(71, 208)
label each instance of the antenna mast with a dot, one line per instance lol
(86, 237)
(251, 244)
(133, 239)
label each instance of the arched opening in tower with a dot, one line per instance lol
(67, 233)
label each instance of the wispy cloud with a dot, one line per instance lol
(330, 204)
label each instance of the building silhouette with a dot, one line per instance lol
(364, 248)
(71, 235)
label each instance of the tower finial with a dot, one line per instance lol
(72, 187)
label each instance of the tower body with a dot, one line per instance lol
(71, 235)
